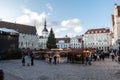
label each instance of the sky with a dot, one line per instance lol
(65, 17)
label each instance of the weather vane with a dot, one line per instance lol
(115, 1)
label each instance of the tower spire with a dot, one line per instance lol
(45, 29)
(115, 2)
(45, 23)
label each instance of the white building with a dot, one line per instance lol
(98, 38)
(75, 42)
(116, 27)
(27, 34)
(63, 42)
(43, 39)
(66, 42)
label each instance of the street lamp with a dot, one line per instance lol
(82, 46)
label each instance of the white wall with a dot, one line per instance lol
(28, 41)
(97, 40)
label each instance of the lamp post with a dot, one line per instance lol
(82, 46)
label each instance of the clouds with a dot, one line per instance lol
(49, 6)
(35, 15)
(70, 23)
(67, 27)
(27, 0)
(58, 30)
(32, 18)
(74, 24)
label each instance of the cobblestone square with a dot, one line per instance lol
(99, 70)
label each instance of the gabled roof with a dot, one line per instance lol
(21, 28)
(66, 39)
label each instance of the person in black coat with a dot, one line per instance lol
(23, 60)
(55, 59)
(23, 56)
(32, 58)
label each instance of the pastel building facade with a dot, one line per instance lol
(99, 38)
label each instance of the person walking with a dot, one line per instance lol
(28, 57)
(50, 58)
(98, 56)
(58, 58)
(32, 58)
(23, 60)
(112, 55)
(90, 59)
(55, 59)
(86, 59)
(103, 55)
(23, 56)
(46, 58)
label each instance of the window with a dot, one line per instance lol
(104, 31)
(21, 43)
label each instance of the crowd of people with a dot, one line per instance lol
(98, 55)
(90, 56)
(52, 58)
(101, 55)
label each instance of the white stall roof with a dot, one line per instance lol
(8, 30)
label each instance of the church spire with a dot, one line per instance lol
(115, 2)
(45, 29)
(45, 23)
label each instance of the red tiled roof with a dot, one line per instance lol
(21, 28)
(99, 30)
(67, 40)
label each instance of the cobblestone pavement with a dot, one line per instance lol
(99, 70)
